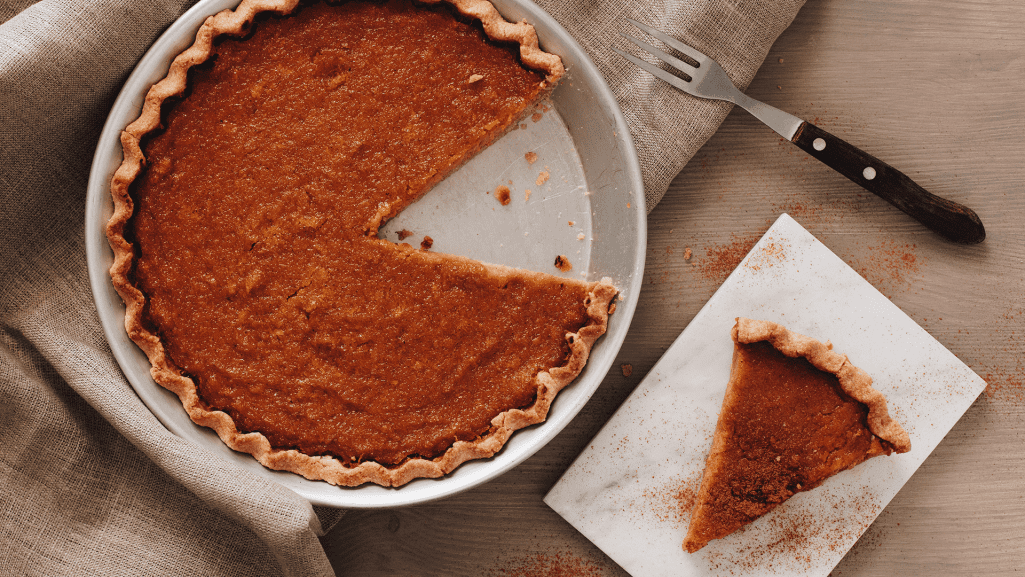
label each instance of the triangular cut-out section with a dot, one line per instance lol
(795, 413)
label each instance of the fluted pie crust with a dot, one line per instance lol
(147, 315)
(795, 413)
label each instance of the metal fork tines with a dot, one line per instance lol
(707, 79)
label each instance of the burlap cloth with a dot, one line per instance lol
(90, 482)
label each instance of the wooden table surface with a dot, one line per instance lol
(935, 88)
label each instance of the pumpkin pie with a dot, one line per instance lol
(246, 244)
(795, 413)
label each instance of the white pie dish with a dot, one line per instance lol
(594, 181)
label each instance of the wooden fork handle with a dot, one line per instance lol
(950, 219)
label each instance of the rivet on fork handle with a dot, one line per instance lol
(954, 221)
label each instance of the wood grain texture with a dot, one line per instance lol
(935, 88)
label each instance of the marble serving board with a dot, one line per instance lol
(631, 490)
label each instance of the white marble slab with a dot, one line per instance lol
(629, 491)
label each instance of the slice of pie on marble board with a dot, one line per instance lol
(795, 413)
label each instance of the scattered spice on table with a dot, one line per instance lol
(721, 259)
(559, 564)
(888, 265)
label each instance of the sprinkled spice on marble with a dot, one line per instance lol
(673, 500)
(797, 539)
(502, 194)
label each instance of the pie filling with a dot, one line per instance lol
(264, 284)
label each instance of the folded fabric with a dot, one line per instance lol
(90, 482)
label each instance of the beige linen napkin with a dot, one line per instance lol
(90, 482)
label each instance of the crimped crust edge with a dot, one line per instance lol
(854, 381)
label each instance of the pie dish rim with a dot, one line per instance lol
(631, 283)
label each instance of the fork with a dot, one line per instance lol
(707, 79)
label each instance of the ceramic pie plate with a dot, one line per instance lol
(586, 202)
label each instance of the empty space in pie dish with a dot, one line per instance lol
(548, 213)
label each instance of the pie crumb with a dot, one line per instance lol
(526, 194)
(404, 234)
(571, 223)
(536, 116)
(531, 157)
(542, 178)
(502, 194)
(581, 236)
(627, 369)
(687, 253)
(562, 263)
(474, 78)
(426, 243)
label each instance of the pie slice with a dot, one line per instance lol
(245, 234)
(795, 414)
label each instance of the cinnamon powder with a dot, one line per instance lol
(1002, 365)
(887, 265)
(721, 259)
(673, 500)
(559, 564)
(502, 194)
(798, 536)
